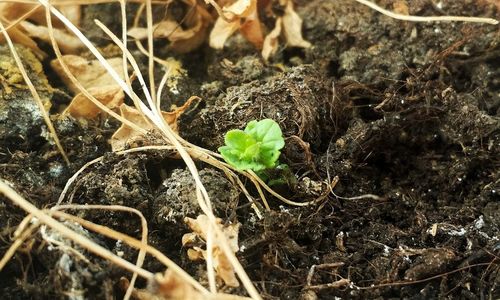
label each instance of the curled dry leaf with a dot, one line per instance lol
(127, 137)
(271, 41)
(244, 17)
(200, 20)
(90, 74)
(67, 42)
(222, 265)
(241, 8)
(12, 15)
(184, 37)
(93, 77)
(72, 12)
(168, 286)
(81, 107)
(292, 27)
(251, 29)
(222, 31)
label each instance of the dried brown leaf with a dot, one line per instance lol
(240, 11)
(66, 41)
(168, 29)
(222, 265)
(171, 286)
(200, 20)
(164, 287)
(222, 31)
(271, 40)
(20, 37)
(71, 12)
(184, 37)
(251, 29)
(81, 107)
(241, 8)
(126, 136)
(91, 74)
(292, 27)
(13, 13)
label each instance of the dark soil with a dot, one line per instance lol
(407, 115)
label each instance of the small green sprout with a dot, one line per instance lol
(256, 148)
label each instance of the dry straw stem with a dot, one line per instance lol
(20, 237)
(144, 233)
(427, 19)
(153, 114)
(75, 81)
(194, 153)
(110, 233)
(203, 199)
(170, 136)
(86, 243)
(46, 217)
(80, 2)
(21, 18)
(138, 42)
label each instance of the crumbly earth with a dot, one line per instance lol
(407, 115)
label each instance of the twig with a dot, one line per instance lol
(427, 19)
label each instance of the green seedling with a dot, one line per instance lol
(256, 148)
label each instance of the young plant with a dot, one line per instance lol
(256, 148)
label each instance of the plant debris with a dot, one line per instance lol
(200, 227)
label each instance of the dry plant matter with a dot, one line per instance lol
(59, 26)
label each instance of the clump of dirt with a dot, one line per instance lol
(226, 73)
(176, 197)
(21, 122)
(299, 100)
(406, 114)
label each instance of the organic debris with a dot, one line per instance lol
(93, 77)
(221, 263)
(27, 21)
(271, 42)
(244, 17)
(126, 136)
(239, 15)
(196, 22)
(11, 78)
(168, 286)
(291, 25)
(91, 74)
(81, 107)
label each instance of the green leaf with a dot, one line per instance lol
(266, 131)
(256, 148)
(239, 140)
